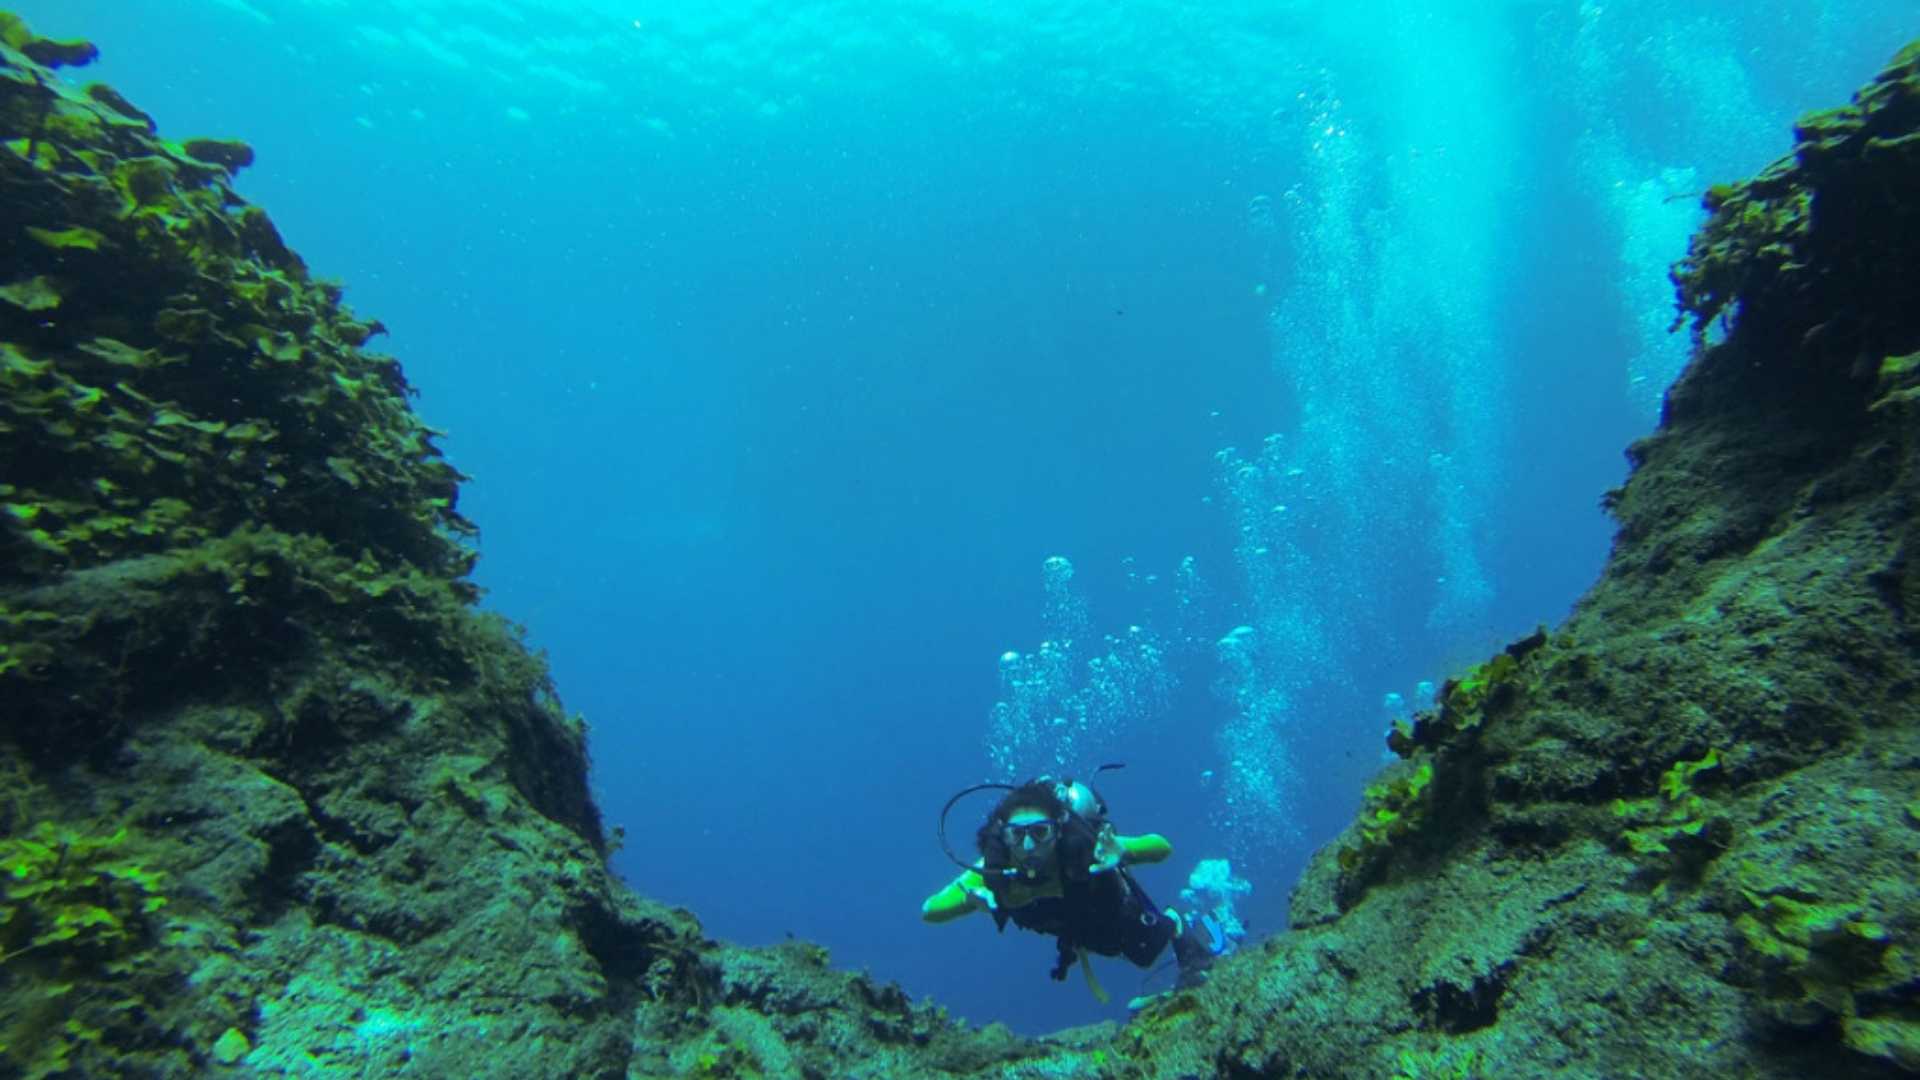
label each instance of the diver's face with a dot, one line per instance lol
(1030, 836)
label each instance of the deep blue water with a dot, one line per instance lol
(786, 341)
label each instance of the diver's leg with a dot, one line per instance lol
(1196, 942)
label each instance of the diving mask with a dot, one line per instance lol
(1029, 832)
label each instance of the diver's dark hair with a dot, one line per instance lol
(1038, 794)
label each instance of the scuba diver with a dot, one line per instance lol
(1051, 862)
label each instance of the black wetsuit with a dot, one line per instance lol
(1106, 913)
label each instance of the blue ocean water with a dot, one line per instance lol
(865, 401)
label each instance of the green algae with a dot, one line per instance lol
(1774, 243)
(1393, 809)
(1828, 961)
(230, 154)
(64, 889)
(34, 294)
(76, 907)
(1442, 1064)
(15, 35)
(1468, 701)
(1674, 834)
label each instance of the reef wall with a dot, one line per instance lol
(272, 784)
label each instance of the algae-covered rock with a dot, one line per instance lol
(195, 359)
(230, 154)
(44, 51)
(235, 629)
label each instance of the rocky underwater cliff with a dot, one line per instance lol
(280, 801)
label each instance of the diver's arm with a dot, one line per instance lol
(965, 894)
(1147, 848)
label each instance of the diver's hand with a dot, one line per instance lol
(983, 896)
(1107, 852)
